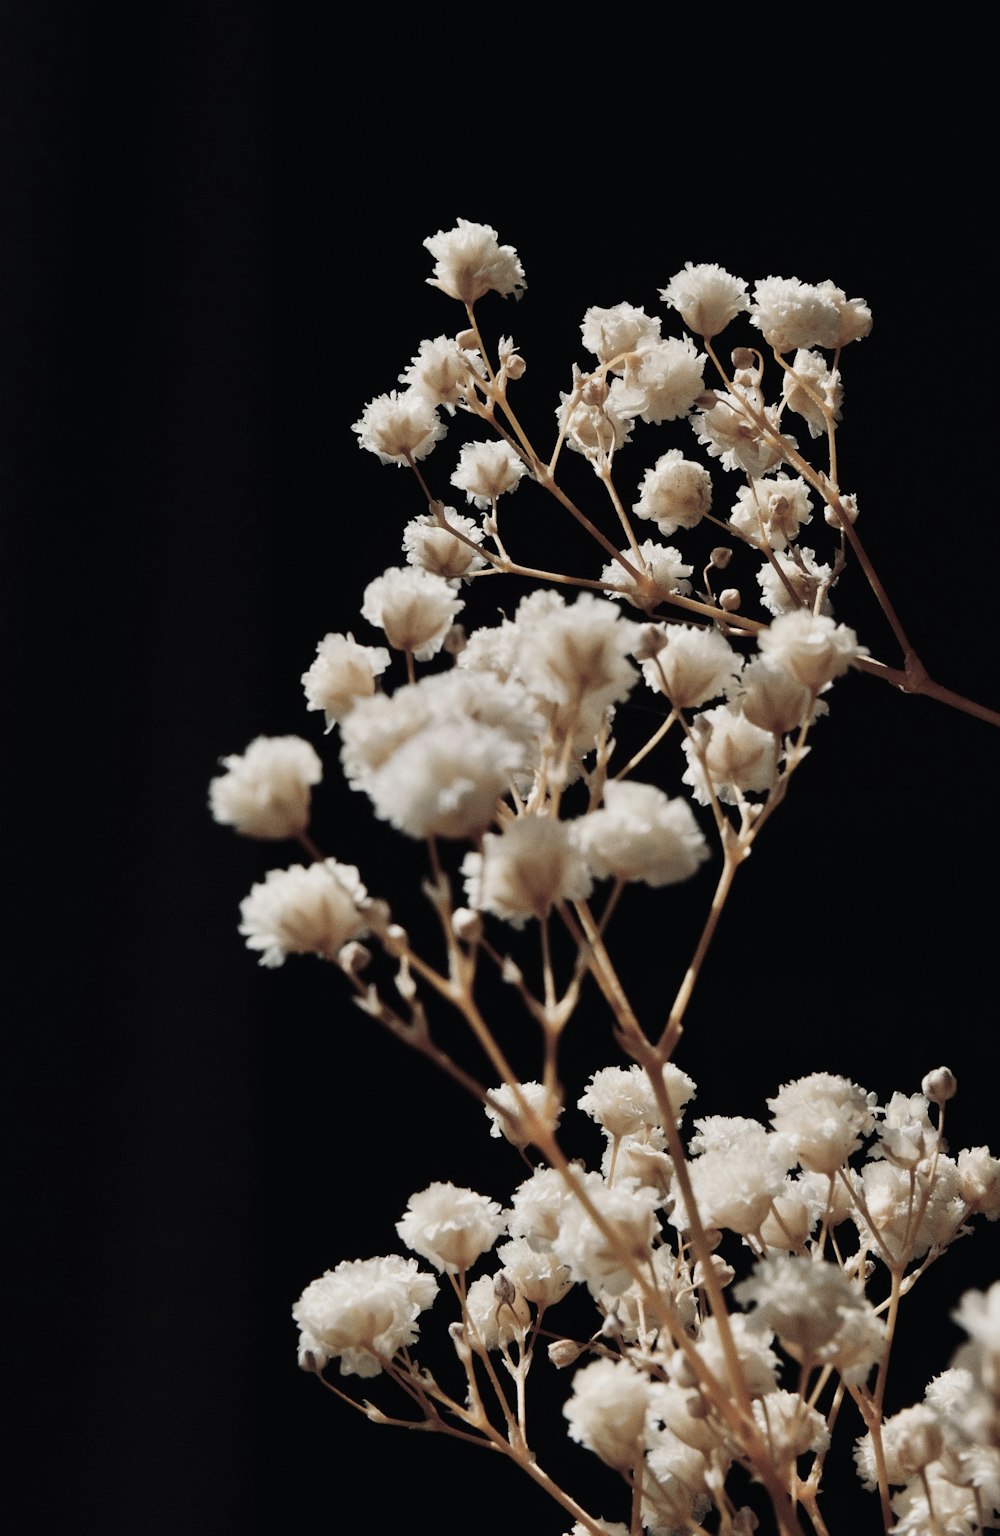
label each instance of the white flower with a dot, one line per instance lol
(905, 1133)
(667, 376)
(769, 513)
(265, 792)
(538, 1276)
(468, 262)
(772, 699)
(342, 673)
(758, 1360)
(434, 549)
(536, 1207)
(415, 608)
(735, 1180)
(810, 647)
(486, 470)
(600, 417)
(445, 780)
(302, 911)
(621, 1099)
(979, 1181)
(808, 1305)
(611, 333)
(823, 1118)
(363, 1312)
(855, 316)
(607, 1411)
(803, 577)
(451, 1227)
(506, 1116)
(812, 382)
(399, 427)
(525, 869)
(730, 434)
(665, 571)
(575, 654)
(706, 297)
(693, 665)
(728, 750)
(675, 493)
(792, 314)
(600, 1262)
(641, 835)
(908, 1214)
(498, 1313)
(441, 372)
(790, 1428)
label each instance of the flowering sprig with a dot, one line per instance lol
(498, 751)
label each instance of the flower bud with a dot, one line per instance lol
(563, 1352)
(939, 1086)
(396, 939)
(354, 958)
(467, 925)
(730, 599)
(721, 556)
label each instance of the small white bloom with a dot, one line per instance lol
(905, 1133)
(399, 427)
(731, 435)
(342, 673)
(668, 376)
(770, 512)
(536, 1207)
(810, 647)
(575, 654)
(600, 417)
(506, 1116)
(694, 664)
(427, 544)
(675, 493)
(979, 1181)
(451, 1227)
(607, 1411)
(498, 1312)
(790, 1428)
(538, 1276)
(639, 834)
(363, 1312)
(771, 698)
(302, 911)
(665, 570)
(823, 1117)
(909, 1214)
(415, 608)
(445, 780)
(486, 471)
(855, 316)
(706, 297)
(798, 583)
(602, 1264)
(812, 386)
(468, 262)
(266, 792)
(612, 333)
(728, 750)
(792, 314)
(525, 869)
(807, 1304)
(622, 1101)
(734, 1179)
(442, 372)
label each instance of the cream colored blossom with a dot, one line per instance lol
(487, 470)
(664, 568)
(675, 493)
(442, 372)
(824, 1118)
(507, 1118)
(770, 512)
(301, 911)
(429, 545)
(607, 1411)
(811, 387)
(707, 297)
(639, 834)
(265, 792)
(525, 869)
(499, 1314)
(728, 751)
(796, 582)
(450, 1226)
(666, 378)
(694, 664)
(623, 1102)
(731, 434)
(612, 333)
(468, 262)
(342, 673)
(399, 427)
(363, 1312)
(812, 648)
(415, 608)
(791, 314)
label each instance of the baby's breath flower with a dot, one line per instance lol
(639, 834)
(486, 470)
(451, 1227)
(300, 911)
(811, 386)
(664, 568)
(525, 869)
(668, 378)
(731, 435)
(607, 1411)
(441, 372)
(694, 664)
(792, 314)
(538, 1276)
(771, 698)
(800, 579)
(468, 262)
(810, 647)
(675, 493)
(728, 750)
(790, 1427)
(600, 1263)
(823, 1118)
(434, 549)
(342, 673)
(622, 1100)
(399, 427)
(499, 1313)
(706, 297)
(613, 333)
(415, 608)
(506, 1116)
(363, 1312)
(770, 512)
(265, 792)
(806, 1304)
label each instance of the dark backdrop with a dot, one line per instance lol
(211, 260)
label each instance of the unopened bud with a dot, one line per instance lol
(405, 984)
(455, 640)
(503, 1289)
(652, 639)
(730, 599)
(721, 556)
(563, 1352)
(396, 939)
(468, 341)
(467, 925)
(939, 1086)
(707, 401)
(742, 357)
(354, 958)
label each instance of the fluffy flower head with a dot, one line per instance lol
(468, 262)
(706, 298)
(414, 607)
(399, 427)
(451, 1227)
(303, 911)
(265, 792)
(342, 673)
(363, 1312)
(639, 834)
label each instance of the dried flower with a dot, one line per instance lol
(265, 792)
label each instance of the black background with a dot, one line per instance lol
(211, 260)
